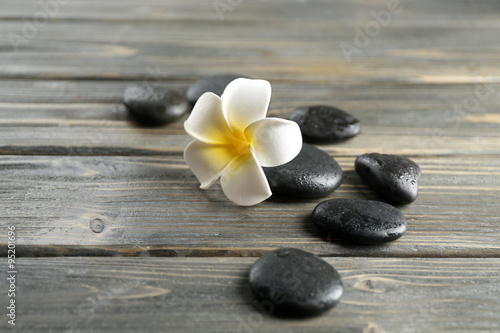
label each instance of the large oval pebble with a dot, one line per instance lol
(325, 124)
(292, 282)
(214, 83)
(154, 105)
(313, 173)
(393, 177)
(359, 221)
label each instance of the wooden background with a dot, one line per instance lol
(174, 258)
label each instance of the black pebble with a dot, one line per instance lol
(313, 173)
(393, 177)
(294, 283)
(215, 84)
(325, 124)
(359, 221)
(154, 105)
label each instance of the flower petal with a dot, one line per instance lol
(207, 122)
(208, 161)
(245, 182)
(274, 141)
(245, 101)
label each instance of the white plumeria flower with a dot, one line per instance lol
(234, 140)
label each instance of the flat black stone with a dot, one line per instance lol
(215, 84)
(325, 124)
(359, 221)
(313, 173)
(393, 177)
(154, 105)
(294, 283)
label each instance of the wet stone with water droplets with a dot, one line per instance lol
(359, 221)
(215, 84)
(313, 173)
(393, 177)
(325, 124)
(294, 283)
(154, 105)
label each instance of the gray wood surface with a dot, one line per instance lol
(426, 86)
(88, 118)
(154, 205)
(212, 295)
(427, 41)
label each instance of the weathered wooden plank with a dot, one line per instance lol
(212, 295)
(453, 41)
(102, 139)
(422, 13)
(417, 96)
(153, 206)
(404, 85)
(88, 117)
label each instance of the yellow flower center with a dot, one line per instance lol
(241, 147)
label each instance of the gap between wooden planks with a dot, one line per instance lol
(152, 206)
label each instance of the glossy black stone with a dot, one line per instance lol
(294, 283)
(313, 173)
(359, 221)
(325, 124)
(154, 105)
(393, 177)
(215, 84)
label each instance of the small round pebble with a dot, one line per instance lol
(325, 124)
(215, 84)
(294, 283)
(313, 173)
(154, 105)
(393, 177)
(359, 221)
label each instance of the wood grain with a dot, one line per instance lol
(426, 85)
(212, 295)
(445, 42)
(88, 118)
(153, 206)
